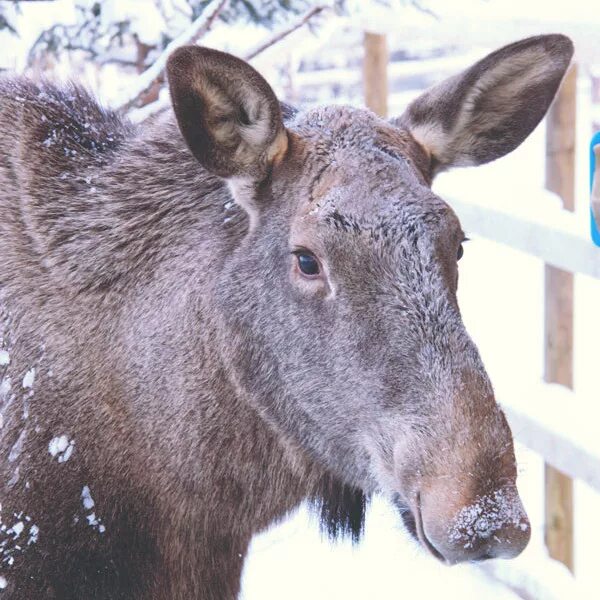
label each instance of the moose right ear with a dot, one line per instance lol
(228, 114)
(489, 109)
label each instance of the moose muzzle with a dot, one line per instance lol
(493, 525)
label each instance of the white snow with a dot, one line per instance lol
(541, 228)
(16, 529)
(147, 22)
(58, 444)
(14, 478)
(29, 378)
(144, 81)
(67, 453)
(485, 516)
(61, 447)
(5, 386)
(3, 582)
(4, 358)
(86, 498)
(17, 448)
(566, 439)
(524, 574)
(88, 503)
(293, 561)
(34, 533)
(95, 522)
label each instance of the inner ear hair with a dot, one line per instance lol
(489, 109)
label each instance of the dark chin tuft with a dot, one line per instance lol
(342, 510)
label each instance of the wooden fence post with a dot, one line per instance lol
(558, 360)
(375, 73)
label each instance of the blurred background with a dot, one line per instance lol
(529, 287)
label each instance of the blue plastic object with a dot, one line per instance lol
(595, 230)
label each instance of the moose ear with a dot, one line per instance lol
(227, 113)
(489, 109)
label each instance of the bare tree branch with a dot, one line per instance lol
(113, 60)
(137, 115)
(154, 75)
(424, 9)
(279, 35)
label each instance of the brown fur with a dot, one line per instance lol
(206, 386)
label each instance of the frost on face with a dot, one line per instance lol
(487, 515)
(61, 447)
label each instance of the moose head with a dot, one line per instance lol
(336, 305)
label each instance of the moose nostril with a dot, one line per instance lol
(422, 535)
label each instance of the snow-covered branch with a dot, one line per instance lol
(155, 73)
(279, 35)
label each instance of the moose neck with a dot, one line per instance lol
(172, 226)
(129, 241)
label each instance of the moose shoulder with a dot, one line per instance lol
(213, 316)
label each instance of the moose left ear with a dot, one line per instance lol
(489, 109)
(227, 113)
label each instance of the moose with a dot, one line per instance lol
(236, 306)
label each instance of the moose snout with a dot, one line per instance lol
(493, 525)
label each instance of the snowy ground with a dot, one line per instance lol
(293, 562)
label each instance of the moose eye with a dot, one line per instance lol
(307, 263)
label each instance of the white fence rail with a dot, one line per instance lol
(554, 422)
(396, 70)
(550, 419)
(548, 232)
